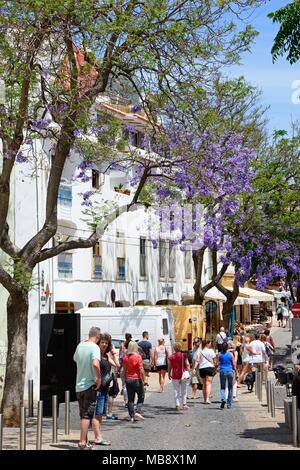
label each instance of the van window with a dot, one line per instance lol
(165, 326)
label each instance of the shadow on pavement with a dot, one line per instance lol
(280, 435)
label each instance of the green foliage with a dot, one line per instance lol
(17, 268)
(287, 39)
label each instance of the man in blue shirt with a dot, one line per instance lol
(147, 355)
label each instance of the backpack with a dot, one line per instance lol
(279, 309)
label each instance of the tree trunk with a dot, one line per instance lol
(198, 297)
(231, 298)
(17, 319)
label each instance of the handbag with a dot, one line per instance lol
(185, 373)
(114, 389)
(146, 364)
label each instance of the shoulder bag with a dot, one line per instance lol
(185, 373)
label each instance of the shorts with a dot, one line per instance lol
(164, 367)
(101, 406)
(87, 402)
(206, 372)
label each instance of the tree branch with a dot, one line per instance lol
(7, 245)
(68, 245)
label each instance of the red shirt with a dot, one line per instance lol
(178, 363)
(132, 364)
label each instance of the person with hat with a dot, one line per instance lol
(134, 380)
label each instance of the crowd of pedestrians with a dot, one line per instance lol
(99, 366)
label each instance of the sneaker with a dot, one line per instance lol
(235, 399)
(85, 446)
(208, 402)
(185, 407)
(228, 406)
(178, 408)
(222, 404)
(112, 417)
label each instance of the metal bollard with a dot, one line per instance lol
(1, 431)
(30, 398)
(272, 400)
(294, 421)
(67, 412)
(260, 389)
(269, 395)
(22, 428)
(258, 384)
(256, 380)
(39, 426)
(54, 419)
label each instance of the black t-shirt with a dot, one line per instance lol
(145, 346)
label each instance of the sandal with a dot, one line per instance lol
(103, 442)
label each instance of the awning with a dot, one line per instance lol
(256, 294)
(212, 293)
(215, 294)
(246, 301)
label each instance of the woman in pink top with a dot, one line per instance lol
(177, 364)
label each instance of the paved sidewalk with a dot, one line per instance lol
(248, 425)
(11, 436)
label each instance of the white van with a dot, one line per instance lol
(158, 321)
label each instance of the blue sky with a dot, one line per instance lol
(275, 80)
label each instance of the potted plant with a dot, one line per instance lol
(120, 189)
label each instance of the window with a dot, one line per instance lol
(172, 260)
(120, 254)
(95, 179)
(162, 258)
(143, 257)
(65, 195)
(97, 261)
(121, 268)
(135, 138)
(65, 265)
(188, 263)
(165, 326)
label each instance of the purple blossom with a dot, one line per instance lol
(40, 124)
(21, 158)
(86, 198)
(163, 193)
(63, 107)
(77, 133)
(136, 108)
(130, 128)
(45, 72)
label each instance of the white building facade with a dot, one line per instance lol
(123, 268)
